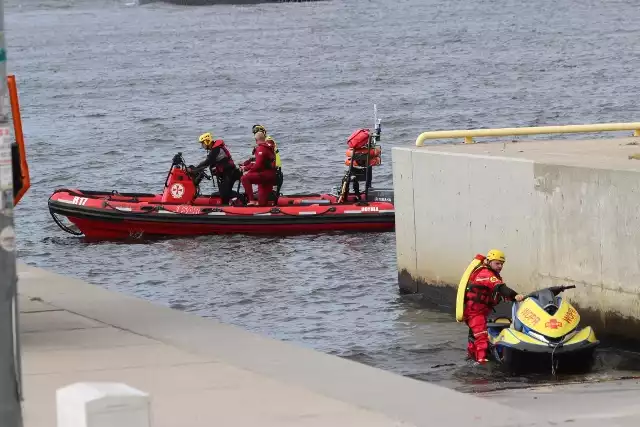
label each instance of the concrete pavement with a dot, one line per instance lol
(611, 403)
(203, 373)
(187, 389)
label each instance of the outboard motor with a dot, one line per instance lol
(381, 195)
(179, 186)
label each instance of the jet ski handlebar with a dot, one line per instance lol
(555, 289)
(178, 161)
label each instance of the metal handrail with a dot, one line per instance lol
(469, 134)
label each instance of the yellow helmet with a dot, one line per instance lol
(495, 255)
(206, 139)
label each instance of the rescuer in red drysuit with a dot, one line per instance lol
(260, 134)
(262, 172)
(484, 290)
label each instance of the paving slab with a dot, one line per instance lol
(46, 321)
(610, 403)
(28, 305)
(105, 337)
(90, 359)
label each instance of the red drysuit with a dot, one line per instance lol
(262, 172)
(483, 293)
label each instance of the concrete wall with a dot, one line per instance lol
(556, 223)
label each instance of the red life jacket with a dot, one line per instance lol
(221, 164)
(481, 294)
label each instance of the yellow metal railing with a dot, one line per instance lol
(469, 134)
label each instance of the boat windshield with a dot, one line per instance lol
(546, 299)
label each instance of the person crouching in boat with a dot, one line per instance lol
(260, 134)
(261, 172)
(484, 290)
(221, 165)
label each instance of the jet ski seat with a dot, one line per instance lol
(499, 323)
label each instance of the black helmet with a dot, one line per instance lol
(259, 128)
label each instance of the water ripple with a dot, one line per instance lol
(109, 93)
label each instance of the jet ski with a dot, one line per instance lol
(542, 334)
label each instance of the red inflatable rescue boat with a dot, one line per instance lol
(180, 210)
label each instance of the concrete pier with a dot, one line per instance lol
(200, 373)
(611, 403)
(564, 211)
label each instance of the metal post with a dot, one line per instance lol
(10, 410)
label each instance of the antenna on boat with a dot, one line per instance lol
(374, 139)
(375, 113)
(377, 122)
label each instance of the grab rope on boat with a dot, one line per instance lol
(150, 208)
(205, 211)
(64, 227)
(329, 209)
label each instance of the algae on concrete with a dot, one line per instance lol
(563, 211)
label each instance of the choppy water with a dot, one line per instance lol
(110, 91)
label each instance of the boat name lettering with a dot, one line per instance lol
(186, 209)
(530, 316)
(79, 200)
(369, 209)
(570, 315)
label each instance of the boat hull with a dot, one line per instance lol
(112, 217)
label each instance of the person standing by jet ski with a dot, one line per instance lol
(484, 290)
(221, 164)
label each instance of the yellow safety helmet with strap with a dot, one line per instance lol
(495, 255)
(206, 139)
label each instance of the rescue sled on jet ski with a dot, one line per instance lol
(543, 333)
(181, 209)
